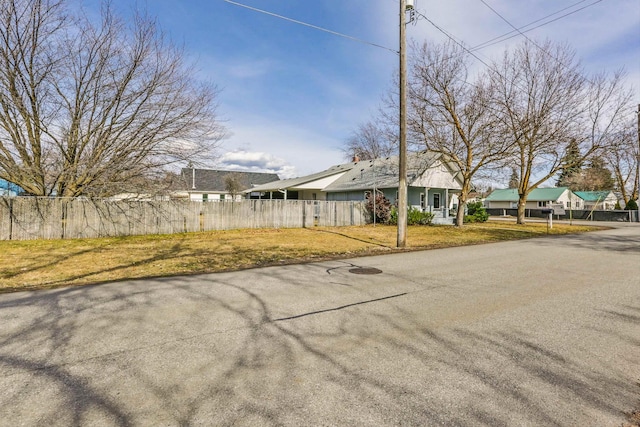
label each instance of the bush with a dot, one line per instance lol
(417, 217)
(632, 205)
(414, 217)
(393, 217)
(476, 213)
(382, 207)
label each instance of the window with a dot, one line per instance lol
(422, 205)
(569, 205)
(205, 197)
(542, 204)
(222, 197)
(436, 201)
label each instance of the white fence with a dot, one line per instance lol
(28, 218)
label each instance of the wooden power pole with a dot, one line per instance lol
(402, 157)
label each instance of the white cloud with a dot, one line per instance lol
(296, 149)
(253, 161)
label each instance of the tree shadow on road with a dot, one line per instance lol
(233, 350)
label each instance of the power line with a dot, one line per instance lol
(295, 21)
(530, 40)
(452, 38)
(524, 29)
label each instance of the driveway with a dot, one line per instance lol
(538, 332)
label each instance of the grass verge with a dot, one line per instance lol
(44, 264)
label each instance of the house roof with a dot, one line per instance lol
(536, 195)
(383, 172)
(294, 183)
(361, 175)
(214, 180)
(594, 196)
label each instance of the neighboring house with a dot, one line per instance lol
(8, 189)
(140, 197)
(598, 200)
(214, 185)
(538, 198)
(431, 182)
(308, 187)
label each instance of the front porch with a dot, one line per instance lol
(438, 201)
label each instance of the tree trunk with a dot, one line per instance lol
(522, 202)
(460, 214)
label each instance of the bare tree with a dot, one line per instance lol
(623, 157)
(450, 115)
(86, 108)
(370, 141)
(595, 177)
(234, 183)
(546, 102)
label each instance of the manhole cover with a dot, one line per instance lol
(365, 270)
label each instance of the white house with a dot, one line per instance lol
(431, 182)
(598, 200)
(538, 198)
(213, 185)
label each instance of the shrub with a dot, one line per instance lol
(476, 213)
(632, 205)
(393, 217)
(417, 217)
(382, 208)
(414, 217)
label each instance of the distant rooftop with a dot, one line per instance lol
(214, 179)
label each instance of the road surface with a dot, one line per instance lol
(539, 332)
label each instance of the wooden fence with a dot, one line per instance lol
(29, 218)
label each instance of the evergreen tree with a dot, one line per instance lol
(572, 165)
(514, 180)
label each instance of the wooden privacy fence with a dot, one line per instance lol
(28, 218)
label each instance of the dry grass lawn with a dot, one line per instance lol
(42, 264)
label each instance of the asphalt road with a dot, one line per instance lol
(540, 332)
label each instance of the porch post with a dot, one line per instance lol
(446, 203)
(427, 205)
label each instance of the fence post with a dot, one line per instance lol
(10, 218)
(64, 218)
(304, 213)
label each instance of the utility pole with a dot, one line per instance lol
(637, 185)
(402, 157)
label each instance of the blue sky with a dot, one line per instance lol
(291, 94)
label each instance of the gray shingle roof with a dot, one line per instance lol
(293, 183)
(383, 173)
(362, 175)
(214, 180)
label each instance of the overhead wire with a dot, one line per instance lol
(524, 29)
(529, 39)
(295, 21)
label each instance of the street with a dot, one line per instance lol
(537, 332)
